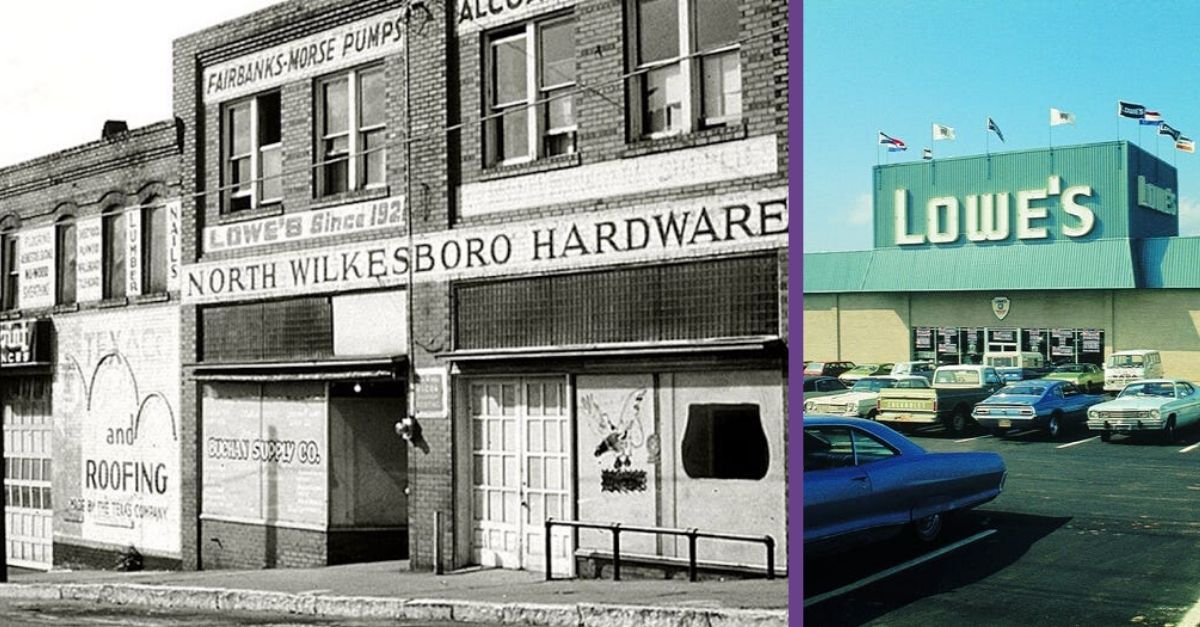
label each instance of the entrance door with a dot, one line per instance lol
(521, 442)
(28, 514)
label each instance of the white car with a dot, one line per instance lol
(861, 400)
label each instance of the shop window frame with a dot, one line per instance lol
(64, 225)
(354, 156)
(258, 188)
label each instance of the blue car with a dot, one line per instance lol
(1046, 404)
(865, 481)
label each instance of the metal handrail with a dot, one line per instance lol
(691, 534)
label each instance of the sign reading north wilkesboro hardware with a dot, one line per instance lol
(742, 222)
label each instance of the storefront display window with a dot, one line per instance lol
(725, 442)
(966, 345)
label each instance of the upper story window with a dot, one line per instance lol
(9, 270)
(351, 131)
(534, 62)
(674, 90)
(65, 261)
(113, 239)
(250, 144)
(154, 247)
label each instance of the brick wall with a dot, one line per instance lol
(241, 546)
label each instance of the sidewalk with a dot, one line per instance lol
(390, 590)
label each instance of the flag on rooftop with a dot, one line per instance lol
(1058, 117)
(1130, 110)
(927, 154)
(942, 132)
(1167, 129)
(1186, 145)
(894, 144)
(992, 126)
(1151, 118)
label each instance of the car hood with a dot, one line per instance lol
(1011, 399)
(849, 397)
(1139, 402)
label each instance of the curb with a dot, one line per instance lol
(542, 615)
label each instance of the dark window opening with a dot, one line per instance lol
(725, 442)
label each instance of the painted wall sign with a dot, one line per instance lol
(24, 342)
(88, 271)
(991, 217)
(1151, 196)
(344, 220)
(332, 49)
(726, 224)
(116, 409)
(133, 253)
(36, 262)
(478, 14)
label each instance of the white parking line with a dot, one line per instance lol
(928, 429)
(895, 569)
(1192, 617)
(1019, 434)
(1077, 442)
(1189, 448)
(978, 437)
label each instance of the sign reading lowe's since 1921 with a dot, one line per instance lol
(992, 217)
(323, 52)
(360, 217)
(732, 223)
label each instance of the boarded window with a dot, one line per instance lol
(725, 441)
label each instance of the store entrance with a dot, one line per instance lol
(966, 345)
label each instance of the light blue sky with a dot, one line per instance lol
(900, 66)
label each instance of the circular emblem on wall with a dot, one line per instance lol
(1000, 307)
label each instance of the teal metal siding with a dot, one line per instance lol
(1105, 167)
(1100, 264)
(1168, 262)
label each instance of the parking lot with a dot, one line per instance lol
(1085, 533)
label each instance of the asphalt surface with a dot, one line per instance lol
(1085, 533)
(41, 613)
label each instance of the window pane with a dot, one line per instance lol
(509, 71)
(337, 166)
(114, 255)
(716, 23)
(371, 98)
(658, 30)
(726, 441)
(154, 250)
(268, 119)
(827, 447)
(240, 175)
(560, 112)
(869, 449)
(11, 272)
(374, 157)
(271, 163)
(514, 134)
(558, 53)
(239, 128)
(66, 250)
(337, 119)
(722, 85)
(664, 93)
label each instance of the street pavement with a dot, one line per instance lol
(390, 590)
(1085, 533)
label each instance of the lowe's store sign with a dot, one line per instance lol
(996, 217)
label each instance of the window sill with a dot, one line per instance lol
(156, 297)
(704, 137)
(251, 214)
(66, 308)
(547, 164)
(14, 314)
(110, 303)
(358, 195)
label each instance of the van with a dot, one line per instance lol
(1016, 366)
(1124, 367)
(916, 368)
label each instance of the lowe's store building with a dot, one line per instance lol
(1072, 252)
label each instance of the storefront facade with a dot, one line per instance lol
(1072, 253)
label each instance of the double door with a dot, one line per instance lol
(521, 472)
(28, 511)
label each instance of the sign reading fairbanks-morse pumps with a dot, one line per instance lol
(1074, 193)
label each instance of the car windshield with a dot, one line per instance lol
(862, 369)
(1125, 361)
(873, 385)
(1002, 362)
(1163, 389)
(967, 377)
(1022, 390)
(1071, 368)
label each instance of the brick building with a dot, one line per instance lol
(549, 241)
(89, 351)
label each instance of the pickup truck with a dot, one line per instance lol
(955, 391)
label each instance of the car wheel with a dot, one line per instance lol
(1168, 432)
(927, 529)
(1055, 426)
(1105, 436)
(960, 420)
(872, 414)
